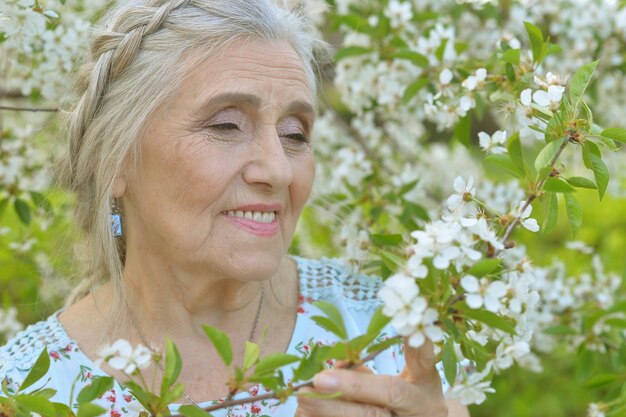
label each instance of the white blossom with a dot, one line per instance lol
(475, 81)
(473, 389)
(121, 356)
(463, 192)
(525, 219)
(9, 324)
(483, 292)
(492, 144)
(596, 410)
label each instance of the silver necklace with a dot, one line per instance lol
(144, 340)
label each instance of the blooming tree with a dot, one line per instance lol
(452, 130)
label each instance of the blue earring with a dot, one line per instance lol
(116, 220)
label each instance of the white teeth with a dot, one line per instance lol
(257, 216)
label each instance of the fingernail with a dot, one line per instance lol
(326, 381)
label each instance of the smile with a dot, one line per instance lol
(257, 216)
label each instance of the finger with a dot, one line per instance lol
(383, 391)
(318, 407)
(358, 368)
(420, 368)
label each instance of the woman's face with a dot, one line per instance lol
(226, 166)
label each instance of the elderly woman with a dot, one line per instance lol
(192, 134)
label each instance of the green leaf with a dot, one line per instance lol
(386, 239)
(560, 330)
(547, 154)
(585, 363)
(550, 210)
(39, 369)
(602, 380)
(350, 51)
(330, 326)
(601, 173)
(484, 267)
(590, 148)
(270, 363)
(384, 345)
(536, 41)
(312, 364)
(441, 49)
(193, 411)
(514, 148)
(392, 260)
(511, 56)
(557, 185)
(580, 81)
(221, 342)
(36, 404)
(173, 365)
(574, 213)
(615, 134)
(41, 201)
(333, 313)
(22, 210)
(413, 89)
(3, 205)
(146, 398)
(463, 130)
(490, 319)
(377, 323)
(98, 386)
(251, 355)
(90, 410)
(504, 161)
(581, 182)
(449, 362)
(415, 57)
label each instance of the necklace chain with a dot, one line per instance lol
(144, 340)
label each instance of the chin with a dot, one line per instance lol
(255, 266)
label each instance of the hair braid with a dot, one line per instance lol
(112, 52)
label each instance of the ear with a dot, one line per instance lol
(119, 185)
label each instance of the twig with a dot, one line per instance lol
(531, 197)
(11, 93)
(32, 109)
(274, 396)
(360, 140)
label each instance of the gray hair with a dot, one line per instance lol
(138, 58)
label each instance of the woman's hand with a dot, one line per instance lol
(415, 392)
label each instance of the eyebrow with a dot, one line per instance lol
(296, 106)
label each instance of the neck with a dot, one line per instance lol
(176, 303)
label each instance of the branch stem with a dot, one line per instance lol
(532, 196)
(272, 395)
(31, 109)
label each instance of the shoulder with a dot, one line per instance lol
(328, 279)
(18, 356)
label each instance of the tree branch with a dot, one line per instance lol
(11, 93)
(31, 109)
(274, 396)
(531, 197)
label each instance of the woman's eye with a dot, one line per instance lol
(225, 126)
(298, 137)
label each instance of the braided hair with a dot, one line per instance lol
(137, 58)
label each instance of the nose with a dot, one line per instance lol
(269, 164)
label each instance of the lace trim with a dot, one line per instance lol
(319, 279)
(328, 278)
(23, 350)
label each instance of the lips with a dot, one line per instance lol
(258, 219)
(257, 216)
